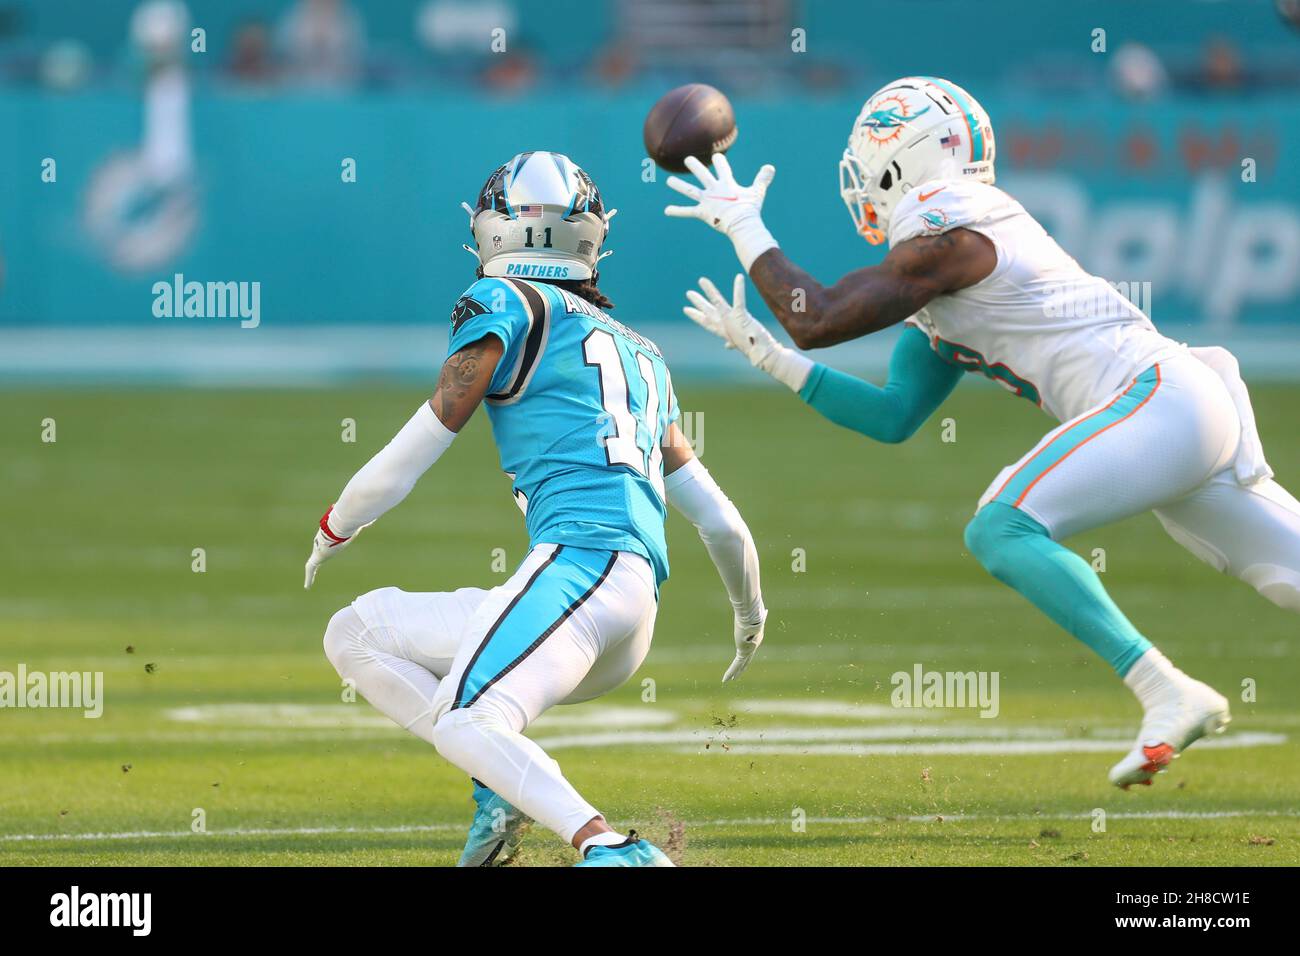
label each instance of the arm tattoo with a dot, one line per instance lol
(464, 381)
(874, 298)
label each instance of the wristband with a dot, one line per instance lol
(751, 239)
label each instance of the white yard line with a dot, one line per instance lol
(976, 748)
(937, 817)
(883, 740)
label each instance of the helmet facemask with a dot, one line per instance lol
(868, 207)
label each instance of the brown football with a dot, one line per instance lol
(692, 120)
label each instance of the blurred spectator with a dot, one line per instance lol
(159, 29)
(323, 42)
(511, 72)
(824, 77)
(616, 64)
(1290, 11)
(250, 58)
(1137, 73)
(1221, 68)
(65, 66)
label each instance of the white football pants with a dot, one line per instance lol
(1166, 443)
(468, 670)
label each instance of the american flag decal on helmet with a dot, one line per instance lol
(951, 141)
(530, 211)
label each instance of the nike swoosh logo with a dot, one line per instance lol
(925, 196)
(726, 198)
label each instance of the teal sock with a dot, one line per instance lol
(1019, 552)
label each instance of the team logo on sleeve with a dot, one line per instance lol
(935, 220)
(466, 308)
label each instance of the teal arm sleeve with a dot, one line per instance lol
(919, 381)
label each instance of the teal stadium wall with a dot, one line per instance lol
(1139, 193)
(274, 208)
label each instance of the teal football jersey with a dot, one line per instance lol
(579, 405)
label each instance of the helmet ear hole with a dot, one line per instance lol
(887, 179)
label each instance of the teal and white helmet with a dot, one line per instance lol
(539, 217)
(910, 132)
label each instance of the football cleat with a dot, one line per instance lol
(496, 832)
(1190, 711)
(631, 852)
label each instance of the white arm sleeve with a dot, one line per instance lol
(389, 477)
(693, 492)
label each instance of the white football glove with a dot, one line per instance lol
(748, 639)
(325, 545)
(732, 209)
(732, 322)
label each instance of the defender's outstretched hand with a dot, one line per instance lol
(732, 209)
(732, 322)
(325, 545)
(748, 639)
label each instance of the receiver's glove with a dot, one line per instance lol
(732, 209)
(732, 323)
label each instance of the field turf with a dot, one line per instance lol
(221, 710)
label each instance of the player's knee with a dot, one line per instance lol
(985, 538)
(1280, 585)
(991, 533)
(455, 734)
(460, 733)
(343, 635)
(381, 604)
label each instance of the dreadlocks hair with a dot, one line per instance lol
(582, 288)
(586, 289)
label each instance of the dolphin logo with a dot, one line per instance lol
(889, 117)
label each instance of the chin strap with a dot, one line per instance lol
(469, 211)
(608, 252)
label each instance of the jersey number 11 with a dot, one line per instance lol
(620, 436)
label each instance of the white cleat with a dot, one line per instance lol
(1189, 711)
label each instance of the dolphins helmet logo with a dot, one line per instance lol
(888, 116)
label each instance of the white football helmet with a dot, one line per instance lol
(914, 130)
(539, 217)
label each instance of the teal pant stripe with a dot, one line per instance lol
(1073, 436)
(561, 585)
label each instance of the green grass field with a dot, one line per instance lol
(218, 697)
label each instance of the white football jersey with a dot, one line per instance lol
(1038, 324)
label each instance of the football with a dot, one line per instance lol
(691, 120)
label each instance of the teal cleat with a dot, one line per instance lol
(496, 832)
(632, 852)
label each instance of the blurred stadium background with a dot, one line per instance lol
(136, 150)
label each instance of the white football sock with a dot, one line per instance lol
(480, 742)
(1152, 678)
(400, 689)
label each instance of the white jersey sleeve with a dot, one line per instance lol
(936, 207)
(1038, 324)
